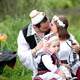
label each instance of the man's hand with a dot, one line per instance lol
(39, 46)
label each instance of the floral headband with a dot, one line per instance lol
(56, 18)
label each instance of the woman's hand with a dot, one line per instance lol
(76, 48)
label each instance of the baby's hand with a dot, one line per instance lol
(59, 72)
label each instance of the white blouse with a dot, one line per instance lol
(65, 52)
(47, 61)
(24, 52)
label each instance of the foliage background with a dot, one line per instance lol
(14, 16)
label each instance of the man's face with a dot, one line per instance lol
(44, 26)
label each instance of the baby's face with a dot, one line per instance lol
(54, 48)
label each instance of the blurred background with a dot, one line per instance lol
(14, 15)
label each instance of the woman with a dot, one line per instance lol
(59, 25)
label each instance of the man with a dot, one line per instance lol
(29, 38)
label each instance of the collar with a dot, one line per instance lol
(31, 30)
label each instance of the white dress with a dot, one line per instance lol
(66, 53)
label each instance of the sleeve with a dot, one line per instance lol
(47, 61)
(24, 52)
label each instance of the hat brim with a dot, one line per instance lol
(38, 18)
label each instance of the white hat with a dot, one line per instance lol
(36, 16)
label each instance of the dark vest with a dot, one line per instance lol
(41, 66)
(30, 39)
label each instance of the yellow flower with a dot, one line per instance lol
(3, 37)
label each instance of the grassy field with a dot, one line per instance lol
(11, 27)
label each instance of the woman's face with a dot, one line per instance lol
(53, 27)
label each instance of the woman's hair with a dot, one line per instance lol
(62, 29)
(63, 33)
(43, 21)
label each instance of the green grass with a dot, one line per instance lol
(11, 27)
(18, 73)
(74, 26)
